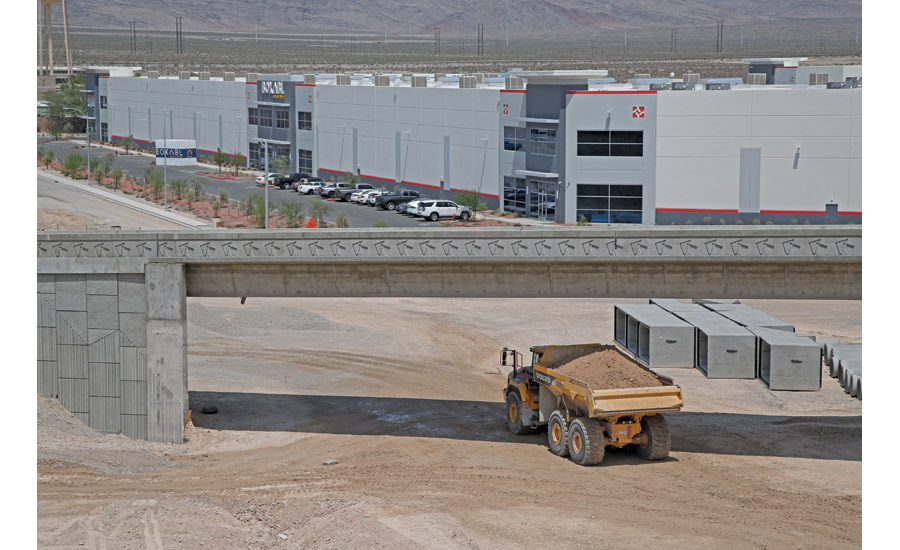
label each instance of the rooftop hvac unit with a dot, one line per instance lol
(682, 86)
(153, 74)
(204, 75)
(184, 75)
(837, 85)
(642, 75)
(492, 75)
(660, 86)
(692, 78)
(420, 81)
(309, 79)
(342, 79)
(818, 78)
(252, 77)
(467, 81)
(382, 80)
(407, 75)
(228, 77)
(438, 76)
(756, 78)
(515, 83)
(718, 86)
(479, 77)
(854, 81)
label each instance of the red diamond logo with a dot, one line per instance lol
(637, 112)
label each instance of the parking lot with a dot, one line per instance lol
(239, 187)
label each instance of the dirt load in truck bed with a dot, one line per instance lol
(608, 370)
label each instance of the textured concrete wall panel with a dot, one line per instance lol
(48, 372)
(106, 284)
(134, 425)
(133, 329)
(134, 397)
(73, 361)
(46, 284)
(134, 364)
(132, 293)
(74, 394)
(105, 414)
(71, 327)
(71, 293)
(46, 344)
(104, 380)
(103, 312)
(106, 349)
(46, 310)
(166, 291)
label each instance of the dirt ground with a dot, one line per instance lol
(405, 395)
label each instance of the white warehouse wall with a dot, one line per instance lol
(208, 98)
(427, 114)
(700, 135)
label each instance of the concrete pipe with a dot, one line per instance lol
(854, 383)
(859, 389)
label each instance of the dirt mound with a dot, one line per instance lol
(608, 370)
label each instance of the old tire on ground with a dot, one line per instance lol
(514, 413)
(434, 216)
(558, 434)
(658, 439)
(464, 216)
(587, 444)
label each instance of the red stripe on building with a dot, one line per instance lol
(849, 213)
(332, 171)
(104, 77)
(696, 210)
(512, 91)
(801, 212)
(375, 178)
(302, 84)
(479, 194)
(572, 92)
(251, 82)
(420, 184)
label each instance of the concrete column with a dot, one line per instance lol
(167, 397)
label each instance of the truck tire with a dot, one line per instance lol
(658, 439)
(391, 206)
(558, 434)
(464, 216)
(514, 413)
(434, 216)
(587, 442)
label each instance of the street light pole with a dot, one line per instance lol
(266, 180)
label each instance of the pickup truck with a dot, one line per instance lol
(391, 200)
(331, 189)
(344, 193)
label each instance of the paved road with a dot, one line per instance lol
(103, 212)
(136, 164)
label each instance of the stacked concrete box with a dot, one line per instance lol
(788, 361)
(91, 336)
(722, 348)
(654, 336)
(746, 316)
(672, 305)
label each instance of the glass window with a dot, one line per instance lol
(593, 136)
(599, 143)
(103, 102)
(304, 120)
(543, 141)
(514, 194)
(253, 116)
(282, 118)
(514, 138)
(265, 116)
(609, 203)
(626, 137)
(616, 150)
(304, 160)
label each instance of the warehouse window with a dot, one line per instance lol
(103, 102)
(304, 120)
(304, 160)
(514, 194)
(265, 116)
(282, 118)
(254, 154)
(514, 139)
(543, 142)
(600, 143)
(253, 116)
(609, 203)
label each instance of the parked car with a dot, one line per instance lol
(286, 181)
(330, 190)
(308, 186)
(260, 180)
(344, 193)
(371, 197)
(360, 197)
(434, 210)
(389, 201)
(412, 206)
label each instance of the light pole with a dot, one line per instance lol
(87, 131)
(266, 176)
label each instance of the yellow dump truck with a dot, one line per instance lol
(606, 398)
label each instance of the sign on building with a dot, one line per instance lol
(176, 152)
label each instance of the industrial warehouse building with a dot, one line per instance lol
(555, 145)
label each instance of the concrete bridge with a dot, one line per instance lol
(112, 311)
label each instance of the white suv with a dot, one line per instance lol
(436, 209)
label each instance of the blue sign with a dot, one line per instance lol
(165, 153)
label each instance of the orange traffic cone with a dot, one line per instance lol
(311, 224)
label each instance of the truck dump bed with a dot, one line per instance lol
(600, 380)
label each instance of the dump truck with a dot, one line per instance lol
(589, 396)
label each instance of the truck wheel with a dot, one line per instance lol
(433, 217)
(587, 444)
(558, 434)
(391, 206)
(658, 439)
(464, 216)
(514, 413)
